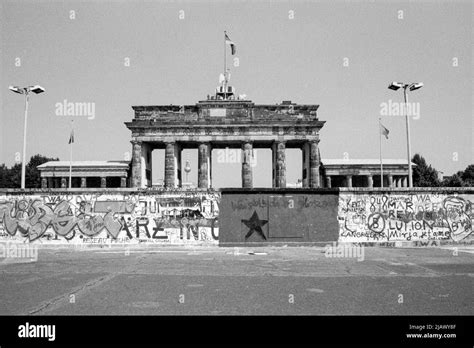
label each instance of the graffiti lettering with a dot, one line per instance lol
(404, 217)
(177, 217)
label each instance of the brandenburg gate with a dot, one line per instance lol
(224, 121)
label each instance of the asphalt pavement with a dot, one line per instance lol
(238, 281)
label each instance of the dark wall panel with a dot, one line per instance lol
(282, 216)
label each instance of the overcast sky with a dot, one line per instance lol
(339, 55)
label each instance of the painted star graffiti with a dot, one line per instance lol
(255, 225)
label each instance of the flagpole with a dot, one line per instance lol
(71, 141)
(380, 141)
(225, 66)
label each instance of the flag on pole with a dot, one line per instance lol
(384, 130)
(231, 43)
(71, 137)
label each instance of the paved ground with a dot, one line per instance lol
(212, 280)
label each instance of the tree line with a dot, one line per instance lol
(425, 175)
(11, 177)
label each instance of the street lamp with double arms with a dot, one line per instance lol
(25, 91)
(412, 87)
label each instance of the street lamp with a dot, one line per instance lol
(413, 87)
(37, 89)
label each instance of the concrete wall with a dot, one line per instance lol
(237, 216)
(362, 215)
(289, 216)
(109, 216)
(431, 214)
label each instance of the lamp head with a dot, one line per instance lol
(16, 89)
(37, 89)
(395, 85)
(415, 86)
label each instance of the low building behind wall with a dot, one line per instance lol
(366, 173)
(84, 174)
(92, 217)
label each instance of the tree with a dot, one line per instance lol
(423, 174)
(468, 175)
(4, 176)
(461, 178)
(454, 180)
(14, 176)
(11, 177)
(33, 175)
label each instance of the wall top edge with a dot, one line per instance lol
(257, 190)
(56, 191)
(469, 189)
(347, 190)
(235, 190)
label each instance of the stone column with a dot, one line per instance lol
(44, 183)
(404, 181)
(210, 165)
(247, 151)
(50, 182)
(204, 165)
(370, 181)
(83, 182)
(390, 181)
(103, 182)
(123, 182)
(136, 180)
(314, 162)
(305, 165)
(170, 166)
(349, 180)
(177, 155)
(63, 182)
(279, 164)
(146, 164)
(328, 181)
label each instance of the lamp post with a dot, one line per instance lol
(412, 87)
(26, 91)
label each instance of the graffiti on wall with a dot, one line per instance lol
(381, 217)
(95, 218)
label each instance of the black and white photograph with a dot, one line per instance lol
(203, 172)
